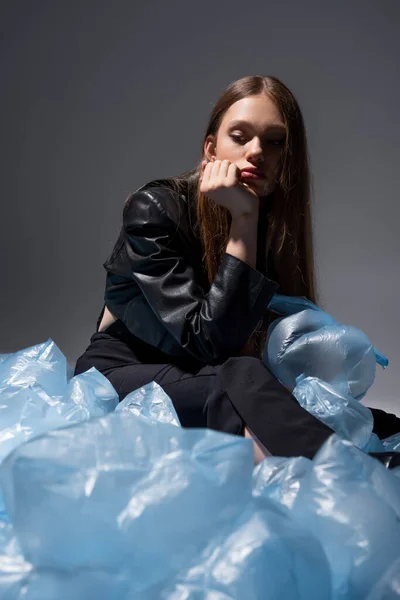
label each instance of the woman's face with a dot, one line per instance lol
(252, 134)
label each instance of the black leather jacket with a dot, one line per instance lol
(157, 285)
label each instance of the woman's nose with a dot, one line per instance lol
(255, 151)
(255, 157)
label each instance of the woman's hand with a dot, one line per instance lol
(220, 181)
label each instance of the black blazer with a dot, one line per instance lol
(157, 285)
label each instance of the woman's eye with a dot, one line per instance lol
(277, 142)
(240, 140)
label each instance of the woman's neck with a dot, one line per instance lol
(265, 202)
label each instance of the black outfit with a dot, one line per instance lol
(174, 328)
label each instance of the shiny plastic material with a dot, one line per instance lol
(151, 502)
(127, 504)
(348, 417)
(279, 478)
(152, 402)
(328, 366)
(289, 305)
(392, 443)
(351, 502)
(36, 395)
(388, 587)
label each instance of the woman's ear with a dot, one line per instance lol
(209, 148)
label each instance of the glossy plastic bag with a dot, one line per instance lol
(308, 342)
(392, 443)
(151, 402)
(348, 417)
(150, 509)
(126, 504)
(328, 366)
(351, 502)
(36, 395)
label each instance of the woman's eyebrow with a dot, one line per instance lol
(272, 126)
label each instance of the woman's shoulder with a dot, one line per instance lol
(156, 197)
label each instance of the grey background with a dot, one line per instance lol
(99, 97)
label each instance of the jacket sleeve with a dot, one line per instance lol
(209, 325)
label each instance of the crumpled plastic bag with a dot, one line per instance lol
(151, 402)
(388, 587)
(121, 506)
(351, 503)
(308, 342)
(348, 500)
(103, 503)
(342, 413)
(122, 479)
(278, 478)
(328, 366)
(392, 443)
(36, 395)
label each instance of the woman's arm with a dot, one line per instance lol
(243, 244)
(243, 239)
(209, 326)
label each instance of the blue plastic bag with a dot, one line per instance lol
(351, 502)
(342, 413)
(388, 587)
(308, 342)
(159, 509)
(290, 305)
(392, 443)
(36, 395)
(127, 504)
(328, 366)
(151, 402)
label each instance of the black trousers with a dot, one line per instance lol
(241, 392)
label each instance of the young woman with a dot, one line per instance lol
(196, 263)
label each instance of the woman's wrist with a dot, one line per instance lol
(243, 217)
(242, 241)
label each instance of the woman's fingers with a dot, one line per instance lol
(221, 183)
(206, 173)
(233, 174)
(219, 170)
(223, 169)
(215, 169)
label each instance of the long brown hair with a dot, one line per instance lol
(289, 241)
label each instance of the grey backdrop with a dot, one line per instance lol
(99, 97)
